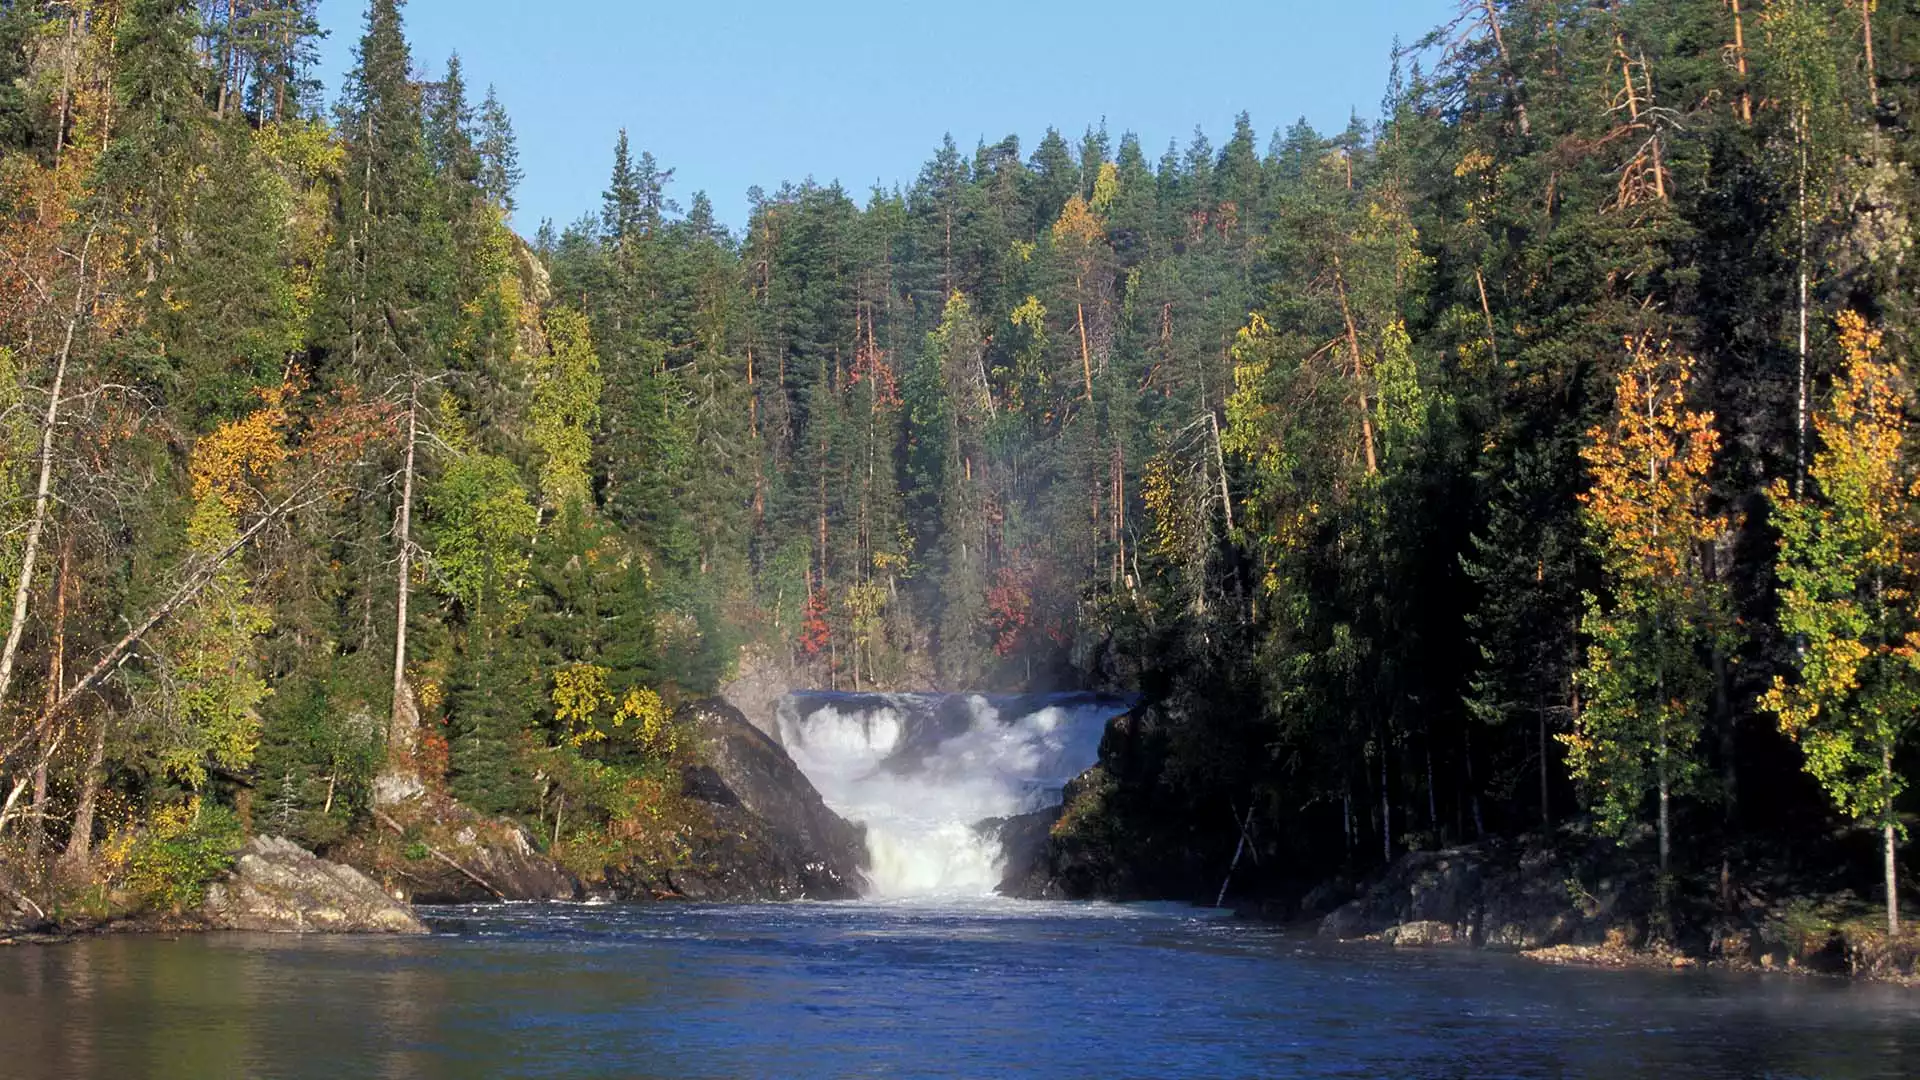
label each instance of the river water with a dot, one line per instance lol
(901, 989)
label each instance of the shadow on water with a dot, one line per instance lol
(901, 988)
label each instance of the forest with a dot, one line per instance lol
(1532, 453)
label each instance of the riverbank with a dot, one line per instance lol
(1564, 896)
(734, 820)
(1571, 900)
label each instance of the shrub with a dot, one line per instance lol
(184, 848)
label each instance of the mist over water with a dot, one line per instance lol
(922, 771)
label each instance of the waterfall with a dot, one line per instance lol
(922, 771)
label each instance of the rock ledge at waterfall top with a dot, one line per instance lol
(279, 887)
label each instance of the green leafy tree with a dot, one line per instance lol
(565, 410)
(1847, 570)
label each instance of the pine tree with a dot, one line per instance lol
(387, 311)
(500, 173)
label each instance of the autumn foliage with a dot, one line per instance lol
(1649, 522)
(1849, 566)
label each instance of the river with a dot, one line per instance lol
(901, 989)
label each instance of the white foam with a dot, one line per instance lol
(920, 819)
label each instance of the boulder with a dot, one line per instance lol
(501, 853)
(18, 911)
(1346, 922)
(770, 822)
(739, 857)
(393, 787)
(279, 887)
(1324, 898)
(1423, 934)
(728, 854)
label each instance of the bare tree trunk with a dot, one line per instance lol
(1220, 462)
(1510, 77)
(1386, 808)
(1473, 787)
(1740, 62)
(1086, 350)
(1359, 369)
(1346, 815)
(1118, 519)
(1239, 849)
(80, 840)
(1800, 392)
(1890, 834)
(37, 809)
(1546, 813)
(1486, 312)
(753, 400)
(1433, 804)
(1866, 34)
(227, 61)
(1666, 801)
(405, 719)
(68, 61)
(196, 580)
(56, 674)
(42, 499)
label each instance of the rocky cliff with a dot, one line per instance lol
(775, 836)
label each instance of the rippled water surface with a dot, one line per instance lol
(900, 990)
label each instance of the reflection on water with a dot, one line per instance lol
(898, 989)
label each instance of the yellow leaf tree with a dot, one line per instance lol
(204, 699)
(1848, 571)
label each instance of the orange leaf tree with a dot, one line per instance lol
(1648, 522)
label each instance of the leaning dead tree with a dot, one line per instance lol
(197, 574)
(43, 487)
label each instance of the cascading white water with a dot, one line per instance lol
(920, 774)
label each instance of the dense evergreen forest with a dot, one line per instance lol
(1533, 453)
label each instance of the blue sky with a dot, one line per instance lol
(734, 93)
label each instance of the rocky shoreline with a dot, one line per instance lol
(275, 886)
(1571, 902)
(1564, 898)
(749, 827)
(766, 834)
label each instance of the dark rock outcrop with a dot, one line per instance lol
(1077, 850)
(501, 855)
(279, 887)
(1026, 840)
(773, 836)
(1496, 895)
(19, 913)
